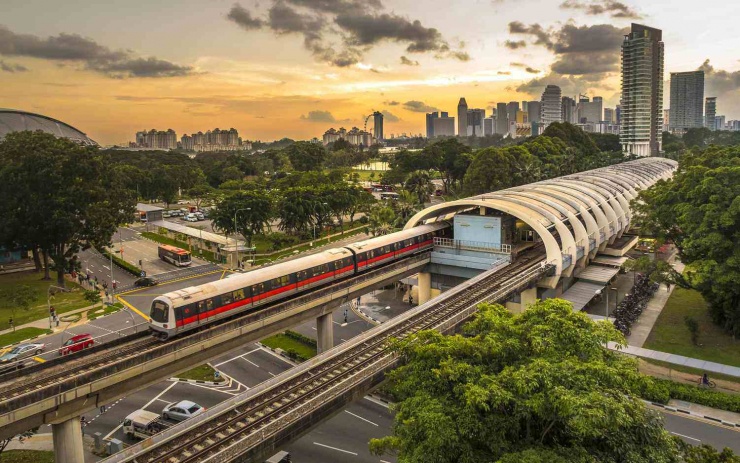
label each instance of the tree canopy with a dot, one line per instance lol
(538, 386)
(698, 209)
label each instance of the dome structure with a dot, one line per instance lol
(12, 120)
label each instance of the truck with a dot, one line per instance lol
(142, 424)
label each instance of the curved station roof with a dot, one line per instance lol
(575, 214)
(12, 120)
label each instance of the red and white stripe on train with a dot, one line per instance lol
(183, 310)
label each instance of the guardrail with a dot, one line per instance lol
(472, 245)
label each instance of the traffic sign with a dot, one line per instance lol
(143, 273)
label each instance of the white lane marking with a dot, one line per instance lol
(247, 360)
(210, 388)
(273, 374)
(162, 400)
(234, 358)
(107, 436)
(106, 267)
(685, 436)
(276, 355)
(376, 401)
(363, 419)
(334, 448)
(383, 461)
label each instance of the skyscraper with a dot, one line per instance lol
(378, 126)
(534, 108)
(568, 110)
(430, 124)
(710, 112)
(609, 116)
(502, 123)
(462, 118)
(511, 109)
(444, 126)
(551, 106)
(590, 111)
(475, 122)
(687, 98)
(642, 91)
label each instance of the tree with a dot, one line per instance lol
(698, 210)
(451, 158)
(21, 437)
(538, 386)
(92, 296)
(296, 210)
(419, 182)
(306, 156)
(246, 212)
(59, 195)
(200, 193)
(19, 297)
(693, 326)
(381, 219)
(363, 203)
(491, 170)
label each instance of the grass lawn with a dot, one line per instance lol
(27, 456)
(671, 335)
(92, 314)
(281, 341)
(62, 302)
(200, 373)
(365, 174)
(307, 246)
(20, 335)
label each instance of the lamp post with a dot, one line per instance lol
(236, 243)
(616, 298)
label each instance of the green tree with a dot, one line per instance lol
(537, 386)
(381, 219)
(491, 170)
(251, 209)
(693, 326)
(296, 210)
(18, 297)
(201, 193)
(92, 296)
(405, 206)
(59, 196)
(419, 183)
(698, 210)
(696, 137)
(306, 156)
(451, 158)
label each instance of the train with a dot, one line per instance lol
(184, 310)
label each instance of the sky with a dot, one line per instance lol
(295, 68)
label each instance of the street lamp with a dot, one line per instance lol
(236, 243)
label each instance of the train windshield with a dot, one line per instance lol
(159, 311)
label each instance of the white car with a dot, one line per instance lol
(200, 216)
(182, 410)
(191, 218)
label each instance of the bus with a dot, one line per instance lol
(173, 255)
(389, 195)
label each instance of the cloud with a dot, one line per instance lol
(243, 18)
(542, 36)
(390, 117)
(391, 103)
(408, 62)
(340, 32)
(504, 73)
(598, 7)
(319, 116)
(515, 44)
(12, 67)
(532, 70)
(96, 57)
(725, 85)
(418, 107)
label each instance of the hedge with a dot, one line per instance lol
(662, 390)
(130, 268)
(300, 338)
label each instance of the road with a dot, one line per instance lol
(696, 431)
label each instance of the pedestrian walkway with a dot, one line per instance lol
(703, 365)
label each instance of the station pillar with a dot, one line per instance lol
(67, 437)
(528, 297)
(425, 287)
(324, 332)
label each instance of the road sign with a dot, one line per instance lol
(143, 273)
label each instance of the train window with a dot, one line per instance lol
(238, 294)
(209, 304)
(325, 268)
(258, 289)
(226, 299)
(279, 282)
(371, 253)
(201, 306)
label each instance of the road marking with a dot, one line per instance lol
(363, 419)
(376, 401)
(124, 302)
(107, 436)
(247, 360)
(234, 358)
(106, 267)
(222, 275)
(275, 355)
(39, 359)
(685, 436)
(172, 281)
(210, 388)
(334, 448)
(696, 418)
(162, 400)
(383, 461)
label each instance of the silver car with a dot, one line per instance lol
(182, 410)
(21, 352)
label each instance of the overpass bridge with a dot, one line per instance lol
(573, 217)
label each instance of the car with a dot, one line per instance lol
(21, 352)
(145, 281)
(175, 213)
(183, 211)
(200, 216)
(166, 214)
(77, 343)
(183, 201)
(182, 410)
(191, 218)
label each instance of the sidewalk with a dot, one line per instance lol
(44, 322)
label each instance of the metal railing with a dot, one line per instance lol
(472, 245)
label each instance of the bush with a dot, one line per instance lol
(130, 268)
(664, 389)
(301, 338)
(693, 327)
(363, 220)
(281, 240)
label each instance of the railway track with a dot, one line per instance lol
(209, 440)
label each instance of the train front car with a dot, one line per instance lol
(162, 323)
(383, 249)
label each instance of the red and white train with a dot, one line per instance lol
(190, 308)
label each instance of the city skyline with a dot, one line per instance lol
(237, 65)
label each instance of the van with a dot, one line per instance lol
(142, 424)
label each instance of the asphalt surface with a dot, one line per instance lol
(696, 431)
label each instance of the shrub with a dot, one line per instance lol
(130, 268)
(664, 389)
(693, 327)
(301, 338)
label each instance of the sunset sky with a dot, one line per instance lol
(294, 68)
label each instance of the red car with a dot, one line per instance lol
(76, 344)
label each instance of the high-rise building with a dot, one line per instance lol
(462, 118)
(444, 126)
(642, 91)
(355, 136)
(502, 123)
(378, 126)
(534, 108)
(430, 123)
(475, 122)
(551, 106)
(511, 109)
(157, 139)
(568, 110)
(710, 112)
(489, 124)
(590, 111)
(618, 114)
(687, 98)
(609, 116)
(719, 123)
(214, 140)
(667, 119)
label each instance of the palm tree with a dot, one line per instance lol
(419, 182)
(381, 220)
(405, 206)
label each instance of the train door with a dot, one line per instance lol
(200, 307)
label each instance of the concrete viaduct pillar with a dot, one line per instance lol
(67, 437)
(324, 332)
(425, 287)
(528, 297)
